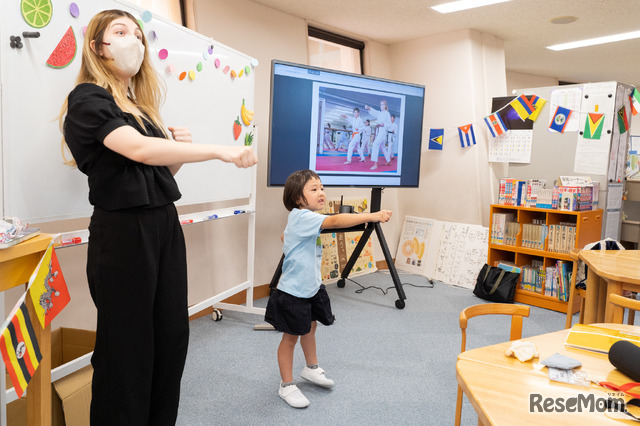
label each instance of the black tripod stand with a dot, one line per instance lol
(376, 195)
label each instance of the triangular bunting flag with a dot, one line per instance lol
(19, 347)
(560, 119)
(635, 101)
(522, 106)
(436, 137)
(593, 126)
(623, 124)
(48, 289)
(467, 136)
(495, 124)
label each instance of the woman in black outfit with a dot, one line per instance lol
(136, 266)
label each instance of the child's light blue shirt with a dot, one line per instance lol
(302, 247)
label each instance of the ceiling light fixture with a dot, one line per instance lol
(594, 41)
(456, 6)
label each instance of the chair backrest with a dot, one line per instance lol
(517, 312)
(622, 302)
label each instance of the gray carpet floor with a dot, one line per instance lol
(391, 366)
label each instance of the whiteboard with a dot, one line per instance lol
(36, 185)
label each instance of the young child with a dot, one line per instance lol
(300, 298)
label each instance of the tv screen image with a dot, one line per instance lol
(332, 122)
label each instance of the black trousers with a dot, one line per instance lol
(137, 273)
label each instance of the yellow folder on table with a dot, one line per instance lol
(598, 339)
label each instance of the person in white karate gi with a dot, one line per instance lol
(383, 119)
(365, 140)
(392, 137)
(357, 126)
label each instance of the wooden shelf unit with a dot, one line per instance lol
(588, 229)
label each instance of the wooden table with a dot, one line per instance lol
(609, 271)
(16, 266)
(499, 387)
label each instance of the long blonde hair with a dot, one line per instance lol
(146, 89)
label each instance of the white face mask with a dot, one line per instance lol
(127, 52)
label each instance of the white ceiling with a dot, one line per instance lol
(524, 25)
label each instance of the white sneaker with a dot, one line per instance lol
(316, 376)
(347, 162)
(293, 396)
(375, 166)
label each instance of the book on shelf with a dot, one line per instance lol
(511, 192)
(597, 339)
(532, 188)
(499, 225)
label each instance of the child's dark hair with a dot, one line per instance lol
(294, 188)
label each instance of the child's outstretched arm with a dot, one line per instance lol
(347, 220)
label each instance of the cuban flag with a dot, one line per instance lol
(560, 119)
(467, 136)
(495, 124)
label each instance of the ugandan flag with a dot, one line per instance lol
(623, 124)
(20, 350)
(593, 126)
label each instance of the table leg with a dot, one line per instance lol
(613, 287)
(591, 302)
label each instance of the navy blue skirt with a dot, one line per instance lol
(293, 315)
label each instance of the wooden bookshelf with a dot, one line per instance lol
(588, 230)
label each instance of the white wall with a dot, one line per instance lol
(461, 72)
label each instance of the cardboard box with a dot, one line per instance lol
(70, 395)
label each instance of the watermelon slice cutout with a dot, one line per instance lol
(65, 51)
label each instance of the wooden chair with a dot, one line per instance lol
(620, 303)
(573, 292)
(517, 312)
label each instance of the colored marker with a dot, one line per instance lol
(186, 221)
(213, 216)
(76, 240)
(238, 211)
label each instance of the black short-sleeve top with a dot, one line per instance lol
(115, 182)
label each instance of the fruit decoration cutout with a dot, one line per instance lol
(247, 116)
(65, 51)
(237, 128)
(36, 13)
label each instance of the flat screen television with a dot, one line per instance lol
(313, 121)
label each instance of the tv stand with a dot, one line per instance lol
(376, 196)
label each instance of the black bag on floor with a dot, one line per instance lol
(496, 285)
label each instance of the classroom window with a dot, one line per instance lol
(333, 51)
(168, 9)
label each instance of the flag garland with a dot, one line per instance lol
(19, 347)
(560, 119)
(18, 343)
(436, 137)
(495, 124)
(593, 126)
(48, 288)
(530, 107)
(467, 135)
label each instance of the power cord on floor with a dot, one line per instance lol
(386, 290)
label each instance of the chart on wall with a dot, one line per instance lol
(449, 252)
(210, 90)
